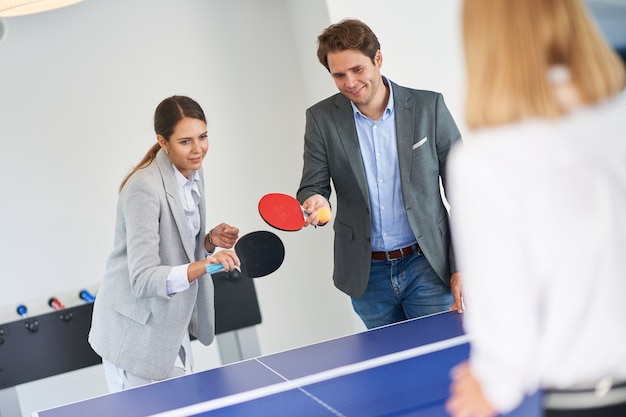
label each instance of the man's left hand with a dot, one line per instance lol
(455, 288)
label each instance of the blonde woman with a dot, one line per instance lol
(539, 193)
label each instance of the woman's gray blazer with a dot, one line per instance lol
(136, 325)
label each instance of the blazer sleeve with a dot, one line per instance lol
(142, 207)
(448, 136)
(315, 172)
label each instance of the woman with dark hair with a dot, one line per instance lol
(156, 291)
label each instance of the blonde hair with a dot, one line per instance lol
(510, 46)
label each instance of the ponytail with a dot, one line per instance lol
(147, 160)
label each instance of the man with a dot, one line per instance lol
(385, 148)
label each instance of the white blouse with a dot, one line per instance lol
(539, 226)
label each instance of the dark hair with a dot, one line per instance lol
(168, 113)
(345, 35)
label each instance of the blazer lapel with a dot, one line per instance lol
(173, 198)
(405, 131)
(202, 209)
(346, 128)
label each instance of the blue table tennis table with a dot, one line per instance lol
(396, 370)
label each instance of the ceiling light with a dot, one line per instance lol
(10, 8)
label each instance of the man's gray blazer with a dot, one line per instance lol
(136, 325)
(425, 132)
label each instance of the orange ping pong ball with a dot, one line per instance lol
(324, 214)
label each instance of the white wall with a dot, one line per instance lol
(420, 42)
(78, 87)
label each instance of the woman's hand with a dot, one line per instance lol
(228, 258)
(223, 236)
(466, 395)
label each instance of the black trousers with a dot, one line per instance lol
(617, 410)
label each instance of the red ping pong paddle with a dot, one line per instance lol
(282, 212)
(260, 253)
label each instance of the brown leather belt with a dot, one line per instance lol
(395, 254)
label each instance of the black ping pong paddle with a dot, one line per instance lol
(260, 253)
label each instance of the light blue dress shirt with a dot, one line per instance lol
(379, 151)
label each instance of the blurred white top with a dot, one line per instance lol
(539, 220)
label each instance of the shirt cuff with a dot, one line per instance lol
(177, 280)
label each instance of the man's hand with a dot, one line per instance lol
(455, 288)
(311, 205)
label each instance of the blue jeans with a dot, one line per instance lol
(401, 289)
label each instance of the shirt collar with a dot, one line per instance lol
(181, 181)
